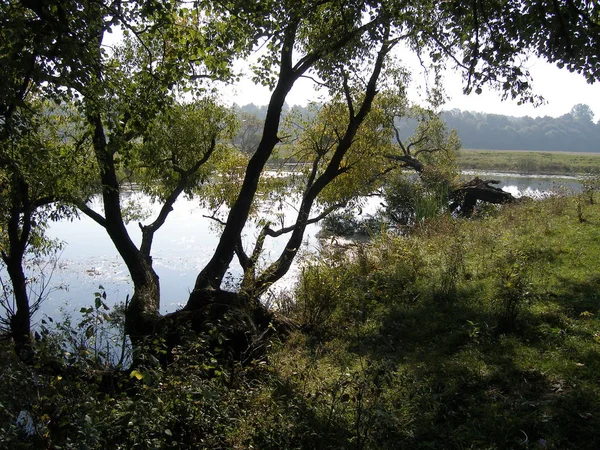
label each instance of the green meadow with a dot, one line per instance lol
(554, 163)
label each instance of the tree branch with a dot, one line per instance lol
(285, 230)
(149, 230)
(96, 217)
(308, 60)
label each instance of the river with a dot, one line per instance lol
(182, 247)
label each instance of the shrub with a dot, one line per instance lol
(513, 287)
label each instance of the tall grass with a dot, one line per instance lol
(505, 361)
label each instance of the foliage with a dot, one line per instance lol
(379, 362)
(249, 134)
(506, 363)
(513, 287)
(409, 200)
(177, 140)
(36, 170)
(347, 224)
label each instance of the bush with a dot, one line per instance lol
(513, 288)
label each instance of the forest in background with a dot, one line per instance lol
(574, 131)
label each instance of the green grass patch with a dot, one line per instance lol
(467, 334)
(529, 162)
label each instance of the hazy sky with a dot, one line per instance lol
(560, 88)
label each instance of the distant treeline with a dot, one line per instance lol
(575, 131)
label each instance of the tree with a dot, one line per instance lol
(248, 136)
(56, 52)
(37, 162)
(488, 37)
(431, 153)
(582, 113)
(341, 148)
(121, 95)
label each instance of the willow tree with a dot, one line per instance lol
(117, 95)
(343, 44)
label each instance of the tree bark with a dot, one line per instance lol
(19, 230)
(20, 322)
(213, 273)
(143, 310)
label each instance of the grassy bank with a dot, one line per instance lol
(478, 334)
(529, 162)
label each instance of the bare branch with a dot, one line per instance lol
(398, 140)
(317, 82)
(215, 218)
(96, 217)
(417, 142)
(281, 231)
(243, 258)
(348, 95)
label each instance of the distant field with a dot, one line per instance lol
(530, 162)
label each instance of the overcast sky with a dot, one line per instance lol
(560, 88)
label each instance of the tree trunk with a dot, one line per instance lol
(18, 230)
(469, 193)
(142, 313)
(211, 276)
(143, 310)
(280, 267)
(20, 323)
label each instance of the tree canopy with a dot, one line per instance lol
(574, 131)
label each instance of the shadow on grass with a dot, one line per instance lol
(463, 384)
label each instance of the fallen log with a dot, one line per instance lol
(466, 196)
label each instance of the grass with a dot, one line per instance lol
(467, 334)
(422, 350)
(555, 163)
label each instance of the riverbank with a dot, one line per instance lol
(478, 333)
(547, 163)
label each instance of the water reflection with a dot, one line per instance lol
(527, 185)
(181, 248)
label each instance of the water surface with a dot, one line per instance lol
(185, 243)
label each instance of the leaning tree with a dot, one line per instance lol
(345, 45)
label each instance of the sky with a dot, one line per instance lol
(560, 88)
